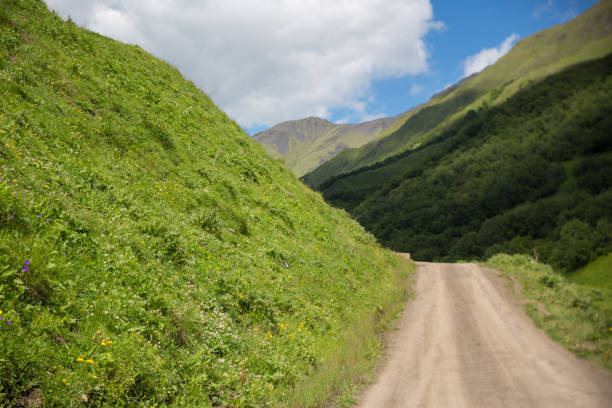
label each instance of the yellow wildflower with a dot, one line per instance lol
(95, 377)
(64, 380)
(79, 359)
(89, 361)
(103, 344)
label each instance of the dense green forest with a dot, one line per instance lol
(532, 175)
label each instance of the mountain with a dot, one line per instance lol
(151, 253)
(531, 59)
(306, 143)
(532, 174)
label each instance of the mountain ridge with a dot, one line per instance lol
(533, 58)
(306, 143)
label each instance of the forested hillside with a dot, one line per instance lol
(152, 254)
(531, 175)
(533, 58)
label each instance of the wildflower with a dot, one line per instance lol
(11, 216)
(46, 186)
(107, 354)
(89, 361)
(95, 377)
(9, 322)
(1, 313)
(27, 262)
(25, 269)
(38, 215)
(103, 344)
(109, 342)
(64, 380)
(79, 359)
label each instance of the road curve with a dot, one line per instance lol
(464, 343)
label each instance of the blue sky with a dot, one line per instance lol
(469, 27)
(268, 61)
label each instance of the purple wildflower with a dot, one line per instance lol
(38, 215)
(11, 216)
(27, 262)
(9, 322)
(25, 269)
(1, 317)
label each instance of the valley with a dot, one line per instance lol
(152, 254)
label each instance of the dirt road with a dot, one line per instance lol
(464, 343)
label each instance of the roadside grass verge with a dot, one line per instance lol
(571, 313)
(351, 358)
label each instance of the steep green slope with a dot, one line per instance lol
(306, 143)
(586, 37)
(152, 254)
(531, 175)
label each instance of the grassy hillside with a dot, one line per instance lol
(307, 143)
(152, 254)
(531, 175)
(576, 315)
(586, 37)
(597, 275)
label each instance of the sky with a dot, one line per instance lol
(267, 61)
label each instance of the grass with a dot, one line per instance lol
(352, 361)
(571, 313)
(151, 254)
(597, 275)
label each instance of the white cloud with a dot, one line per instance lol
(487, 56)
(416, 89)
(265, 61)
(562, 11)
(543, 8)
